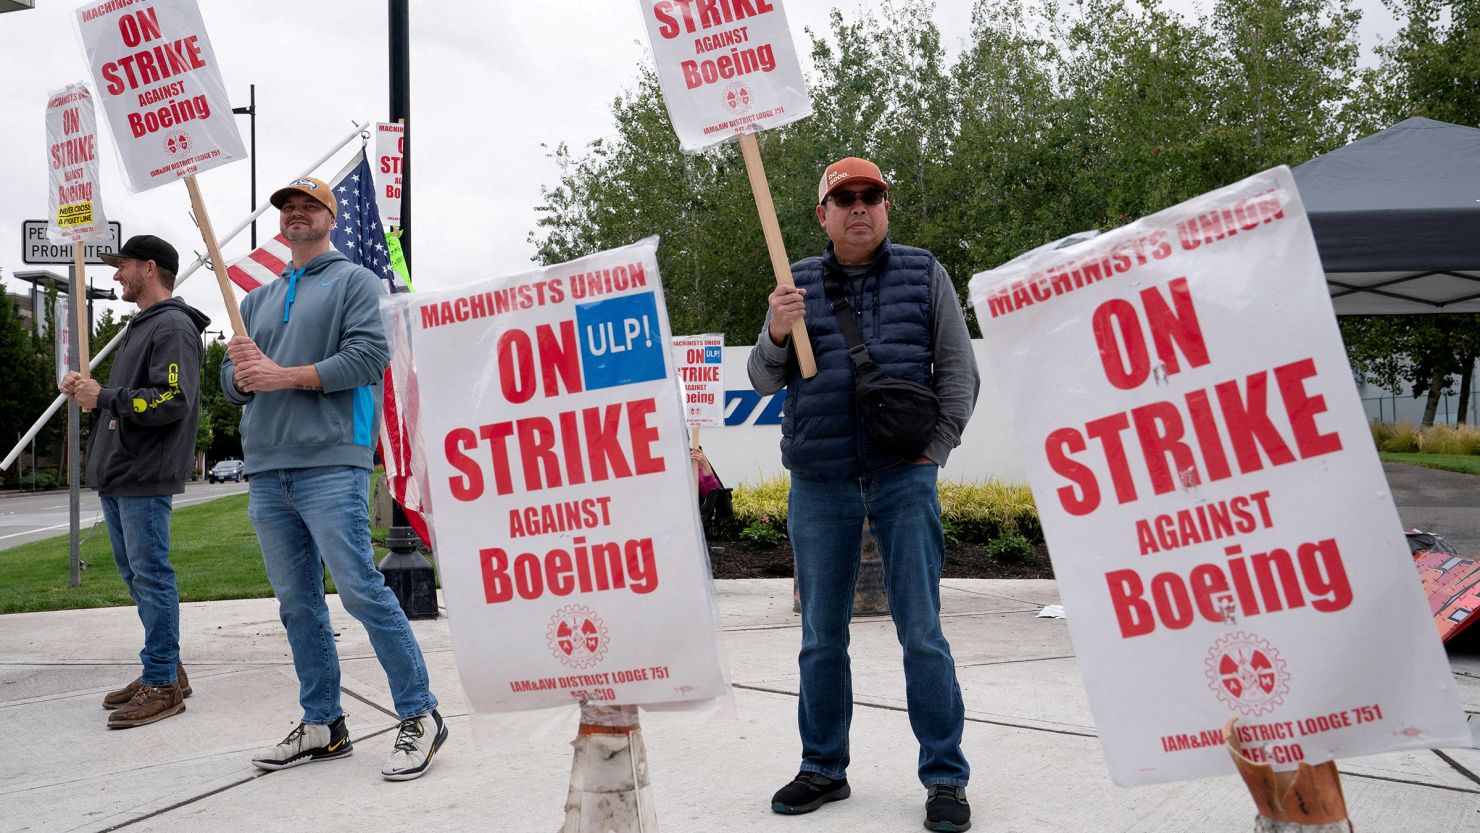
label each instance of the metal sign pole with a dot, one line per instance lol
(74, 453)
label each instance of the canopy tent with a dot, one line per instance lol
(1396, 217)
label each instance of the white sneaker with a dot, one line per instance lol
(308, 743)
(417, 741)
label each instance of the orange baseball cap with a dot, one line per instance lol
(309, 186)
(849, 169)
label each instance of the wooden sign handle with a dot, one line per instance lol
(772, 229)
(203, 220)
(79, 308)
(694, 446)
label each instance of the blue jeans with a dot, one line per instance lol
(303, 516)
(825, 521)
(139, 530)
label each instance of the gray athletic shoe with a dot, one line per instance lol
(417, 742)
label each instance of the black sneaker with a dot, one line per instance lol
(308, 743)
(807, 792)
(946, 809)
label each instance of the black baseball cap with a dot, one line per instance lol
(146, 247)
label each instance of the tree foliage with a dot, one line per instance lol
(1051, 120)
(23, 377)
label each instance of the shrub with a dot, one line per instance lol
(761, 533)
(1406, 438)
(981, 512)
(1402, 438)
(1445, 439)
(1010, 546)
(38, 481)
(762, 505)
(971, 513)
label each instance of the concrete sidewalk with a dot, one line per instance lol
(1038, 765)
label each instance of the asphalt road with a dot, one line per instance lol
(30, 517)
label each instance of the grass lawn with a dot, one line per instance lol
(1463, 463)
(212, 546)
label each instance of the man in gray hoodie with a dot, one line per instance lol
(141, 451)
(309, 372)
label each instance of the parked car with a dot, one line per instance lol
(227, 470)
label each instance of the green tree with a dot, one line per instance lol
(220, 421)
(23, 377)
(1419, 353)
(1431, 68)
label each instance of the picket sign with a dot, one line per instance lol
(1225, 541)
(75, 192)
(167, 107)
(727, 71)
(551, 444)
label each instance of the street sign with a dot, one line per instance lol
(37, 249)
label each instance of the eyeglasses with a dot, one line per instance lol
(845, 199)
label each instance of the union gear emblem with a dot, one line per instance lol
(577, 636)
(1247, 674)
(737, 98)
(177, 142)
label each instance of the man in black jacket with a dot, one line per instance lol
(141, 452)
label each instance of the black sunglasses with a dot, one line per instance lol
(845, 199)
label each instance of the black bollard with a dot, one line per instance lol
(407, 572)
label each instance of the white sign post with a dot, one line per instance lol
(551, 443)
(728, 70)
(161, 87)
(390, 151)
(1224, 538)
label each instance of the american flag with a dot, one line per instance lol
(358, 235)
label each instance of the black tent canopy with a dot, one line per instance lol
(1396, 217)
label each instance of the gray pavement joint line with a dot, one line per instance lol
(1010, 661)
(371, 703)
(903, 710)
(221, 789)
(1458, 767)
(1408, 782)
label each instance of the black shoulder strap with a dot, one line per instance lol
(843, 311)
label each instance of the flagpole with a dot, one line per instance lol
(117, 339)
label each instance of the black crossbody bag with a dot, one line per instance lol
(898, 415)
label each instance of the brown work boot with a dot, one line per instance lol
(151, 703)
(115, 699)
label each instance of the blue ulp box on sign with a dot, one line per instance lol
(714, 354)
(621, 341)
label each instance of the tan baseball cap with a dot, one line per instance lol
(849, 169)
(315, 188)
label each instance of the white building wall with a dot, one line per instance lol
(748, 448)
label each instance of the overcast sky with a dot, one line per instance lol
(492, 84)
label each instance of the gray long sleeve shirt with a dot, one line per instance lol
(954, 374)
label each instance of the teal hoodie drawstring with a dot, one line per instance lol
(293, 277)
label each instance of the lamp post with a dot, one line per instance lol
(407, 572)
(251, 111)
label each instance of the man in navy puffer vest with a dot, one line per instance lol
(909, 317)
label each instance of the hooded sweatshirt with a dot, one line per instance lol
(143, 442)
(327, 316)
